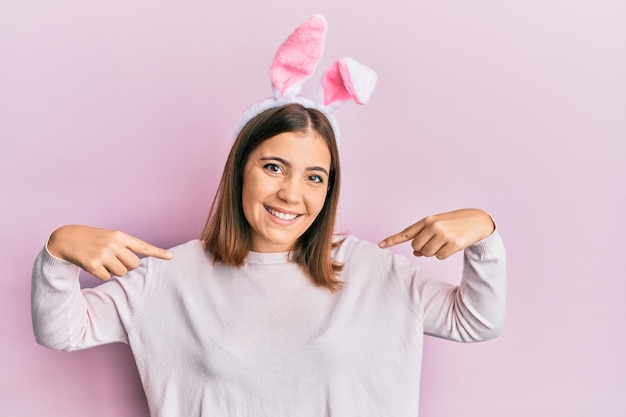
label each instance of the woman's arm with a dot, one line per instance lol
(66, 317)
(473, 310)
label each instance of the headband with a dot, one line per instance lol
(294, 63)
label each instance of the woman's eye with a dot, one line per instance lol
(273, 168)
(316, 179)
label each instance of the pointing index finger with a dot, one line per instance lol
(144, 248)
(403, 236)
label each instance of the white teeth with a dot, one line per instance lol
(282, 216)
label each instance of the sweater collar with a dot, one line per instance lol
(259, 258)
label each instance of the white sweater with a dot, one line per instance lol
(261, 340)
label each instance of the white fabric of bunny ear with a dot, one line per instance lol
(347, 80)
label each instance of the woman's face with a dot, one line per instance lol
(285, 182)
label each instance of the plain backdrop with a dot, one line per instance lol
(119, 114)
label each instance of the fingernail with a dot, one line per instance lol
(381, 244)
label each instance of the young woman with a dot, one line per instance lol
(269, 313)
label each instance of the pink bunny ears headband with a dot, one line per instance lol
(294, 63)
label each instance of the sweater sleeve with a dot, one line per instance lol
(473, 310)
(68, 318)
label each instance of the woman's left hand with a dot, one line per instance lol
(444, 234)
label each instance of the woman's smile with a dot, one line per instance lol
(282, 215)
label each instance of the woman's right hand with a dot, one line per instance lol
(101, 252)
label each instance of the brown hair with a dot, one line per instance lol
(226, 235)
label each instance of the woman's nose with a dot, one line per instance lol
(290, 191)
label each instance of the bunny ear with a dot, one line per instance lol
(297, 57)
(346, 80)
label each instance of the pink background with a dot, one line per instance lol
(119, 114)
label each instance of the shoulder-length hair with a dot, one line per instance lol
(227, 236)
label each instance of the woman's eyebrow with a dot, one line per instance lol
(316, 168)
(287, 164)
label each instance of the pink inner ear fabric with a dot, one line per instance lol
(298, 55)
(336, 84)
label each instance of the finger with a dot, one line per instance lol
(430, 248)
(144, 248)
(116, 267)
(447, 250)
(422, 239)
(100, 272)
(404, 236)
(129, 259)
